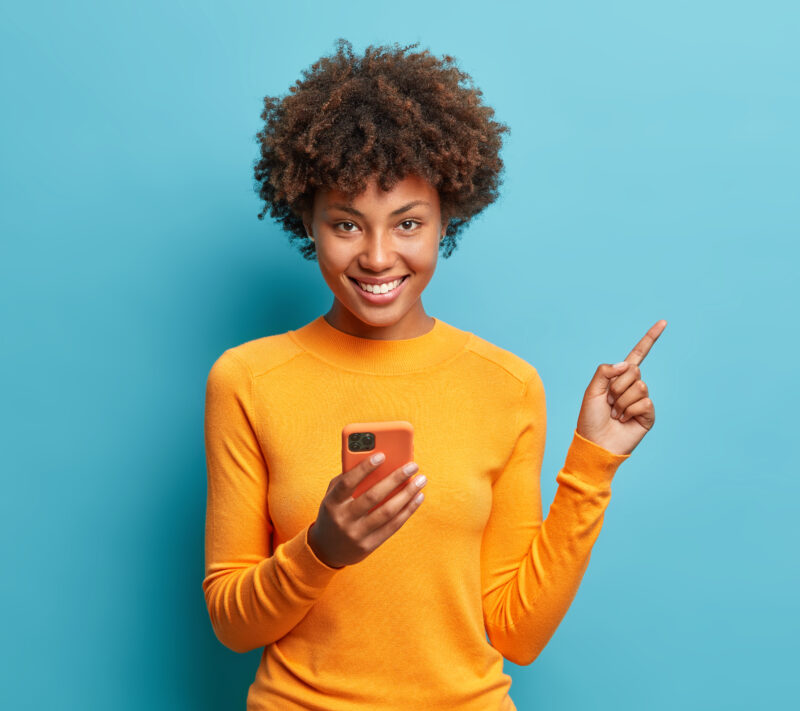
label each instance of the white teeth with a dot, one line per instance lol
(380, 289)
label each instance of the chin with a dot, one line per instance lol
(379, 320)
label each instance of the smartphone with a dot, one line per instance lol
(360, 440)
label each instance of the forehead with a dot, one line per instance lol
(409, 189)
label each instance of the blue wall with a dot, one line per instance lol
(651, 173)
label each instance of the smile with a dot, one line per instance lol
(381, 294)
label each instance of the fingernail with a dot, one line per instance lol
(613, 412)
(377, 458)
(610, 399)
(620, 364)
(410, 468)
(420, 480)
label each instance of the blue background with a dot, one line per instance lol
(652, 172)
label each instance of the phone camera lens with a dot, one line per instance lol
(361, 441)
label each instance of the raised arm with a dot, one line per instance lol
(531, 569)
(254, 594)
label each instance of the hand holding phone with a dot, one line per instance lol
(360, 440)
(363, 507)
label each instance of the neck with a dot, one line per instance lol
(415, 322)
(380, 356)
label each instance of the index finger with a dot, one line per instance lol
(642, 348)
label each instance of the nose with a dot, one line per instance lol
(377, 254)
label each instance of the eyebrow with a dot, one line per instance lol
(353, 211)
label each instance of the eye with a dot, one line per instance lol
(345, 226)
(409, 225)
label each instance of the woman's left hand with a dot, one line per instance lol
(616, 412)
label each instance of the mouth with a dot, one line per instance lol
(380, 297)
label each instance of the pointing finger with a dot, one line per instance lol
(642, 348)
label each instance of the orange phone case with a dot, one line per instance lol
(395, 438)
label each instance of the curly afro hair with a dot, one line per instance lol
(388, 114)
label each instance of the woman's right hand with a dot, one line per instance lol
(346, 530)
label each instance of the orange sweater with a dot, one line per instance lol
(405, 628)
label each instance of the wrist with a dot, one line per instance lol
(313, 544)
(592, 462)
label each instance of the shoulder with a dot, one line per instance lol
(254, 358)
(494, 357)
(506, 378)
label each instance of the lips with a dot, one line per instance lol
(379, 298)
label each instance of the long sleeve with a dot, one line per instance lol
(254, 595)
(531, 569)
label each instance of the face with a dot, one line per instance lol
(378, 237)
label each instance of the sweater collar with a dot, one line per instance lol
(382, 357)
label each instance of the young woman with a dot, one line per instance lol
(374, 164)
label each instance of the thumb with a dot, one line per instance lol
(602, 377)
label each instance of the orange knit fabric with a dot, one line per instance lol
(474, 575)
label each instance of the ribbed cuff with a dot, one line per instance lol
(297, 556)
(591, 462)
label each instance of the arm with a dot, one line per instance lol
(531, 570)
(254, 595)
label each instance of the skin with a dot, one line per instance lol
(370, 235)
(376, 234)
(366, 237)
(617, 411)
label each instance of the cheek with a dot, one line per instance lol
(331, 264)
(423, 271)
(428, 260)
(423, 256)
(331, 273)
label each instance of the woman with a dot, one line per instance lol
(374, 164)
